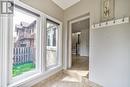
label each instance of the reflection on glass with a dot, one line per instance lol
(51, 53)
(24, 42)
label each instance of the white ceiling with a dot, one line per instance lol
(81, 25)
(64, 4)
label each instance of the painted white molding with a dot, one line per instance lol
(111, 23)
(1, 51)
(68, 60)
(30, 81)
(64, 4)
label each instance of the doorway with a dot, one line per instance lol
(78, 47)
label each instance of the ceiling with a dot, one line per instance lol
(64, 4)
(81, 25)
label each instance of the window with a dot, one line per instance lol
(52, 44)
(0, 71)
(1, 52)
(24, 44)
(0, 55)
(25, 52)
(24, 49)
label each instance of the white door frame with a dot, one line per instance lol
(69, 60)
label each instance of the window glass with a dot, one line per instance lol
(24, 42)
(52, 38)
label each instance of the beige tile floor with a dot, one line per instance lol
(74, 77)
(80, 64)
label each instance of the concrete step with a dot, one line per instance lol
(82, 77)
(77, 73)
(90, 83)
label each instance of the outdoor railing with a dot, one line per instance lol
(51, 56)
(23, 55)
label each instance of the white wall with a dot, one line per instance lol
(110, 56)
(109, 47)
(74, 41)
(46, 6)
(84, 43)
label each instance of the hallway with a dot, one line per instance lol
(74, 77)
(80, 65)
(80, 62)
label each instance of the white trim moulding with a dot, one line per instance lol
(111, 23)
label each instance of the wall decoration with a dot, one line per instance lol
(123, 20)
(107, 9)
